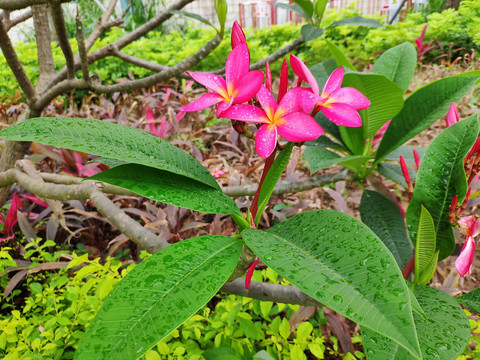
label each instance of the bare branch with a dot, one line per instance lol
(21, 4)
(19, 19)
(311, 183)
(269, 292)
(14, 64)
(138, 62)
(88, 190)
(103, 24)
(61, 29)
(124, 41)
(82, 51)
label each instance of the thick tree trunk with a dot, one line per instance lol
(452, 4)
(43, 39)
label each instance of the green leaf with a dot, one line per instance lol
(339, 55)
(421, 109)
(341, 263)
(424, 246)
(325, 142)
(321, 158)
(294, 7)
(272, 178)
(193, 16)
(386, 100)
(329, 127)
(398, 64)
(169, 188)
(311, 32)
(407, 152)
(441, 176)
(109, 162)
(394, 173)
(322, 71)
(221, 8)
(427, 274)
(471, 300)
(307, 8)
(385, 219)
(111, 141)
(158, 295)
(443, 336)
(319, 9)
(358, 21)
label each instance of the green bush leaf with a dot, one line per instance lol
(340, 262)
(111, 141)
(358, 21)
(311, 32)
(158, 295)
(169, 188)
(425, 244)
(441, 176)
(443, 336)
(397, 64)
(386, 100)
(385, 219)
(471, 300)
(422, 108)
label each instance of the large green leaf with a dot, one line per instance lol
(358, 21)
(339, 261)
(421, 109)
(169, 188)
(307, 7)
(385, 219)
(386, 100)
(321, 158)
(398, 64)
(424, 248)
(394, 173)
(311, 32)
(407, 152)
(272, 178)
(110, 141)
(443, 336)
(158, 295)
(471, 300)
(441, 176)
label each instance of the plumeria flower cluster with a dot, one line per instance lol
(242, 96)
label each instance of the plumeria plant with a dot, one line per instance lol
(362, 270)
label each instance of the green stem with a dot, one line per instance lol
(241, 222)
(266, 168)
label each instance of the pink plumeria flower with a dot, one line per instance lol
(238, 36)
(217, 173)
(463, 263)
(239, 85)
(452, 115)
(285, 119)
(11, 219)
(339, 105)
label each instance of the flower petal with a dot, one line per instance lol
(282, 87)
(247, 113)
(11, 218)
(238, 64)
(333, 83)
(267, 101)
(352, 97)
(304, 73)
(452, 115)
(298, 99)
(299, 127)
(342, 114)
(248, 86)
(205, 101)
(211, 81)
(266, 140)
(464, 260)
(238, 36)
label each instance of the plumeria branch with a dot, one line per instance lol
(269, 292)
(61, 29)
(89, 190)
(10, 23)
(21, 4)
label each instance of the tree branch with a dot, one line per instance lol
(10, 23)
(103, 24)
(21, 4)
(88, 190)
(43, 39)
(138, 62)
(82, 50)
(61, 29)
(308, 184)
(14, 64)
(269, 292)
(124, 41)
